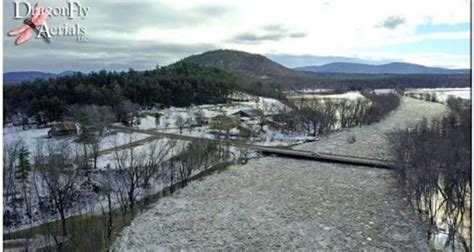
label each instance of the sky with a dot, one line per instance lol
(145, 34)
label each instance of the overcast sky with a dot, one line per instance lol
(143, 34)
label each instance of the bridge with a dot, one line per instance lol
(269, 150)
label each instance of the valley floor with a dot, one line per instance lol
(285, 204)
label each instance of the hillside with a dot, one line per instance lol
(256, 73)
(391, 68)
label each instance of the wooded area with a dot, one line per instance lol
(179, 85)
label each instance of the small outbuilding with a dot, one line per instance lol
(248, 112)
(63, 129)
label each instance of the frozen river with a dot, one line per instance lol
(280, 204)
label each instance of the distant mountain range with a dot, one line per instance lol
(390, 68)
(293, 61)
(259, 74)
(11, 78)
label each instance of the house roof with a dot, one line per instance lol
(64, 126)
(250, 112)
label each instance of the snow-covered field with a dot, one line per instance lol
(280, 204)
(442, 94)
(352, 95)
(31, 137)
(384, 91)
(371, 140)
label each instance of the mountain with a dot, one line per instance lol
(390, 68)
(293, 61)
(11, 78)
(254, 71)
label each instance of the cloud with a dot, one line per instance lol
(298, 35)
(65, 54)
(133, 16)
(392, 22)
(273, 32)
(139, 34)
(214, 11)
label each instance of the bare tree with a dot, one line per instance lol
(156, 153)
(135, 171)
(94, 121)
(10, 155)
(58, 172)
(126, 112)
(127, 163)
(198, 155)
(180, 123)
(199, 117)
(107, 188)
(434, 163)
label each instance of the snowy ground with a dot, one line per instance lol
(268, 136)
(167, 120)
(31, 137)
(280, 204)
(352, 95)
(442, 94)
(371, 140)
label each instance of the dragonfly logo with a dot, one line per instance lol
(35, 21)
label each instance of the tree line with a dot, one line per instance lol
(321, 116)
(181, 84)
(344, 82)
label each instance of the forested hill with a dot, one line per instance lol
(256, 73)
(181, 84)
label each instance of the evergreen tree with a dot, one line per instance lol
(22, 174)
(24, 167)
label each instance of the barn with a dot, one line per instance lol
(62, 129)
